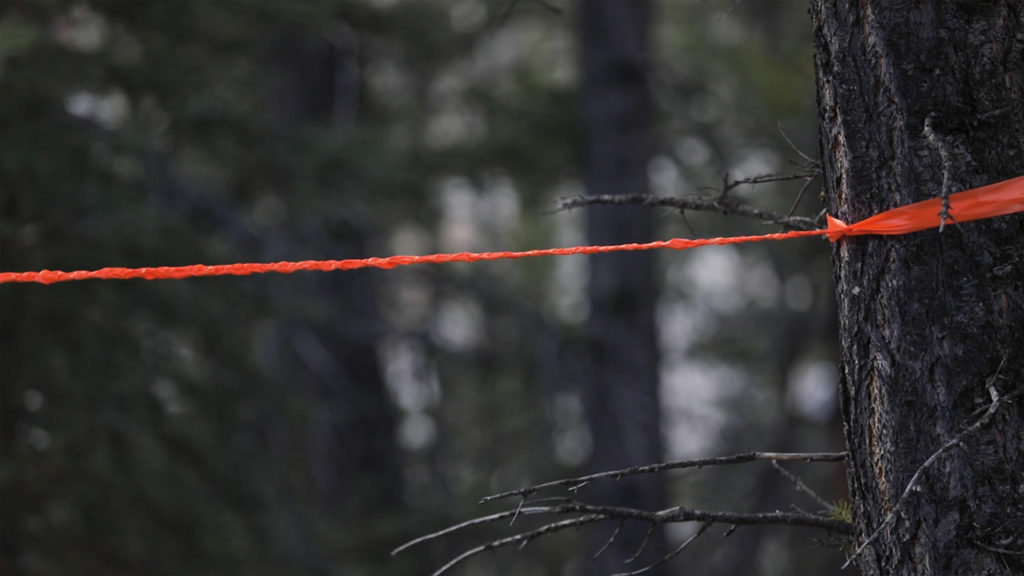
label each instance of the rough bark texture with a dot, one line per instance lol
(621, 391)
(917, 98)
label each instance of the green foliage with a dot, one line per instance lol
(842, 510)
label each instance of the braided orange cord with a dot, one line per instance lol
(989, 201)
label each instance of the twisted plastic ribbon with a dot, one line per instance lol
(997, 199)
(989, 201)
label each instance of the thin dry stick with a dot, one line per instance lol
(680, 514)
(994, 394)
(947, 186)
(591, 514)
(728, 185)
(721, 203)
(703, 528)
(674, 514)
(518, 508)
(519, 538)
(799, 197)
(742, 458)
(810, 161)
(696, 203)
(799, 484)
(609, 542)
(474, 522)
(640, 550)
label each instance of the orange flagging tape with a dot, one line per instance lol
(997, 199)
(989, 201)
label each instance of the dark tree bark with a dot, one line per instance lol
(917, 99)
(621, 391)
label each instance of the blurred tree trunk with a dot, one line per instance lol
(352, 457)
(621, 391)
(912, 95)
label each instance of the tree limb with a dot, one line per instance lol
(703, 528)
(722, 203)
(800, 486)
(520, 538)
(580, 481)
(698, 203)
(590, 514)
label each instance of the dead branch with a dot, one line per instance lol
(729, 185)
(799, 197)
(521, 538)
(703, 528)
(610, 541)
(697, 203)
(589, 514)
(681, 514)
(745, 457)
(720, 203)
(643, 544)
(518, 511)
(801, 486)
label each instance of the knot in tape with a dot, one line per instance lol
(836, 228)
(997, 199)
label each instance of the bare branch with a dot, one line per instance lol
(643, 544)
(609, 542)
(800, 486)
(680, 514)
(522, 537)
(697, 203)
(810, 161)
(703, 528)
(594, 513)
(799, 197)
(721, 202)
(589, 513)
(518, 508)
(678, 464)
(519, 511)
(728, 185)
(944, 157)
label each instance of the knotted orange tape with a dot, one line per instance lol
(989, 201)
(997, 199)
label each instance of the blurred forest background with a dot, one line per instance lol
(308, 424)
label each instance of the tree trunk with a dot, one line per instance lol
(330, 361)
(917, 99)
(621, 391)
